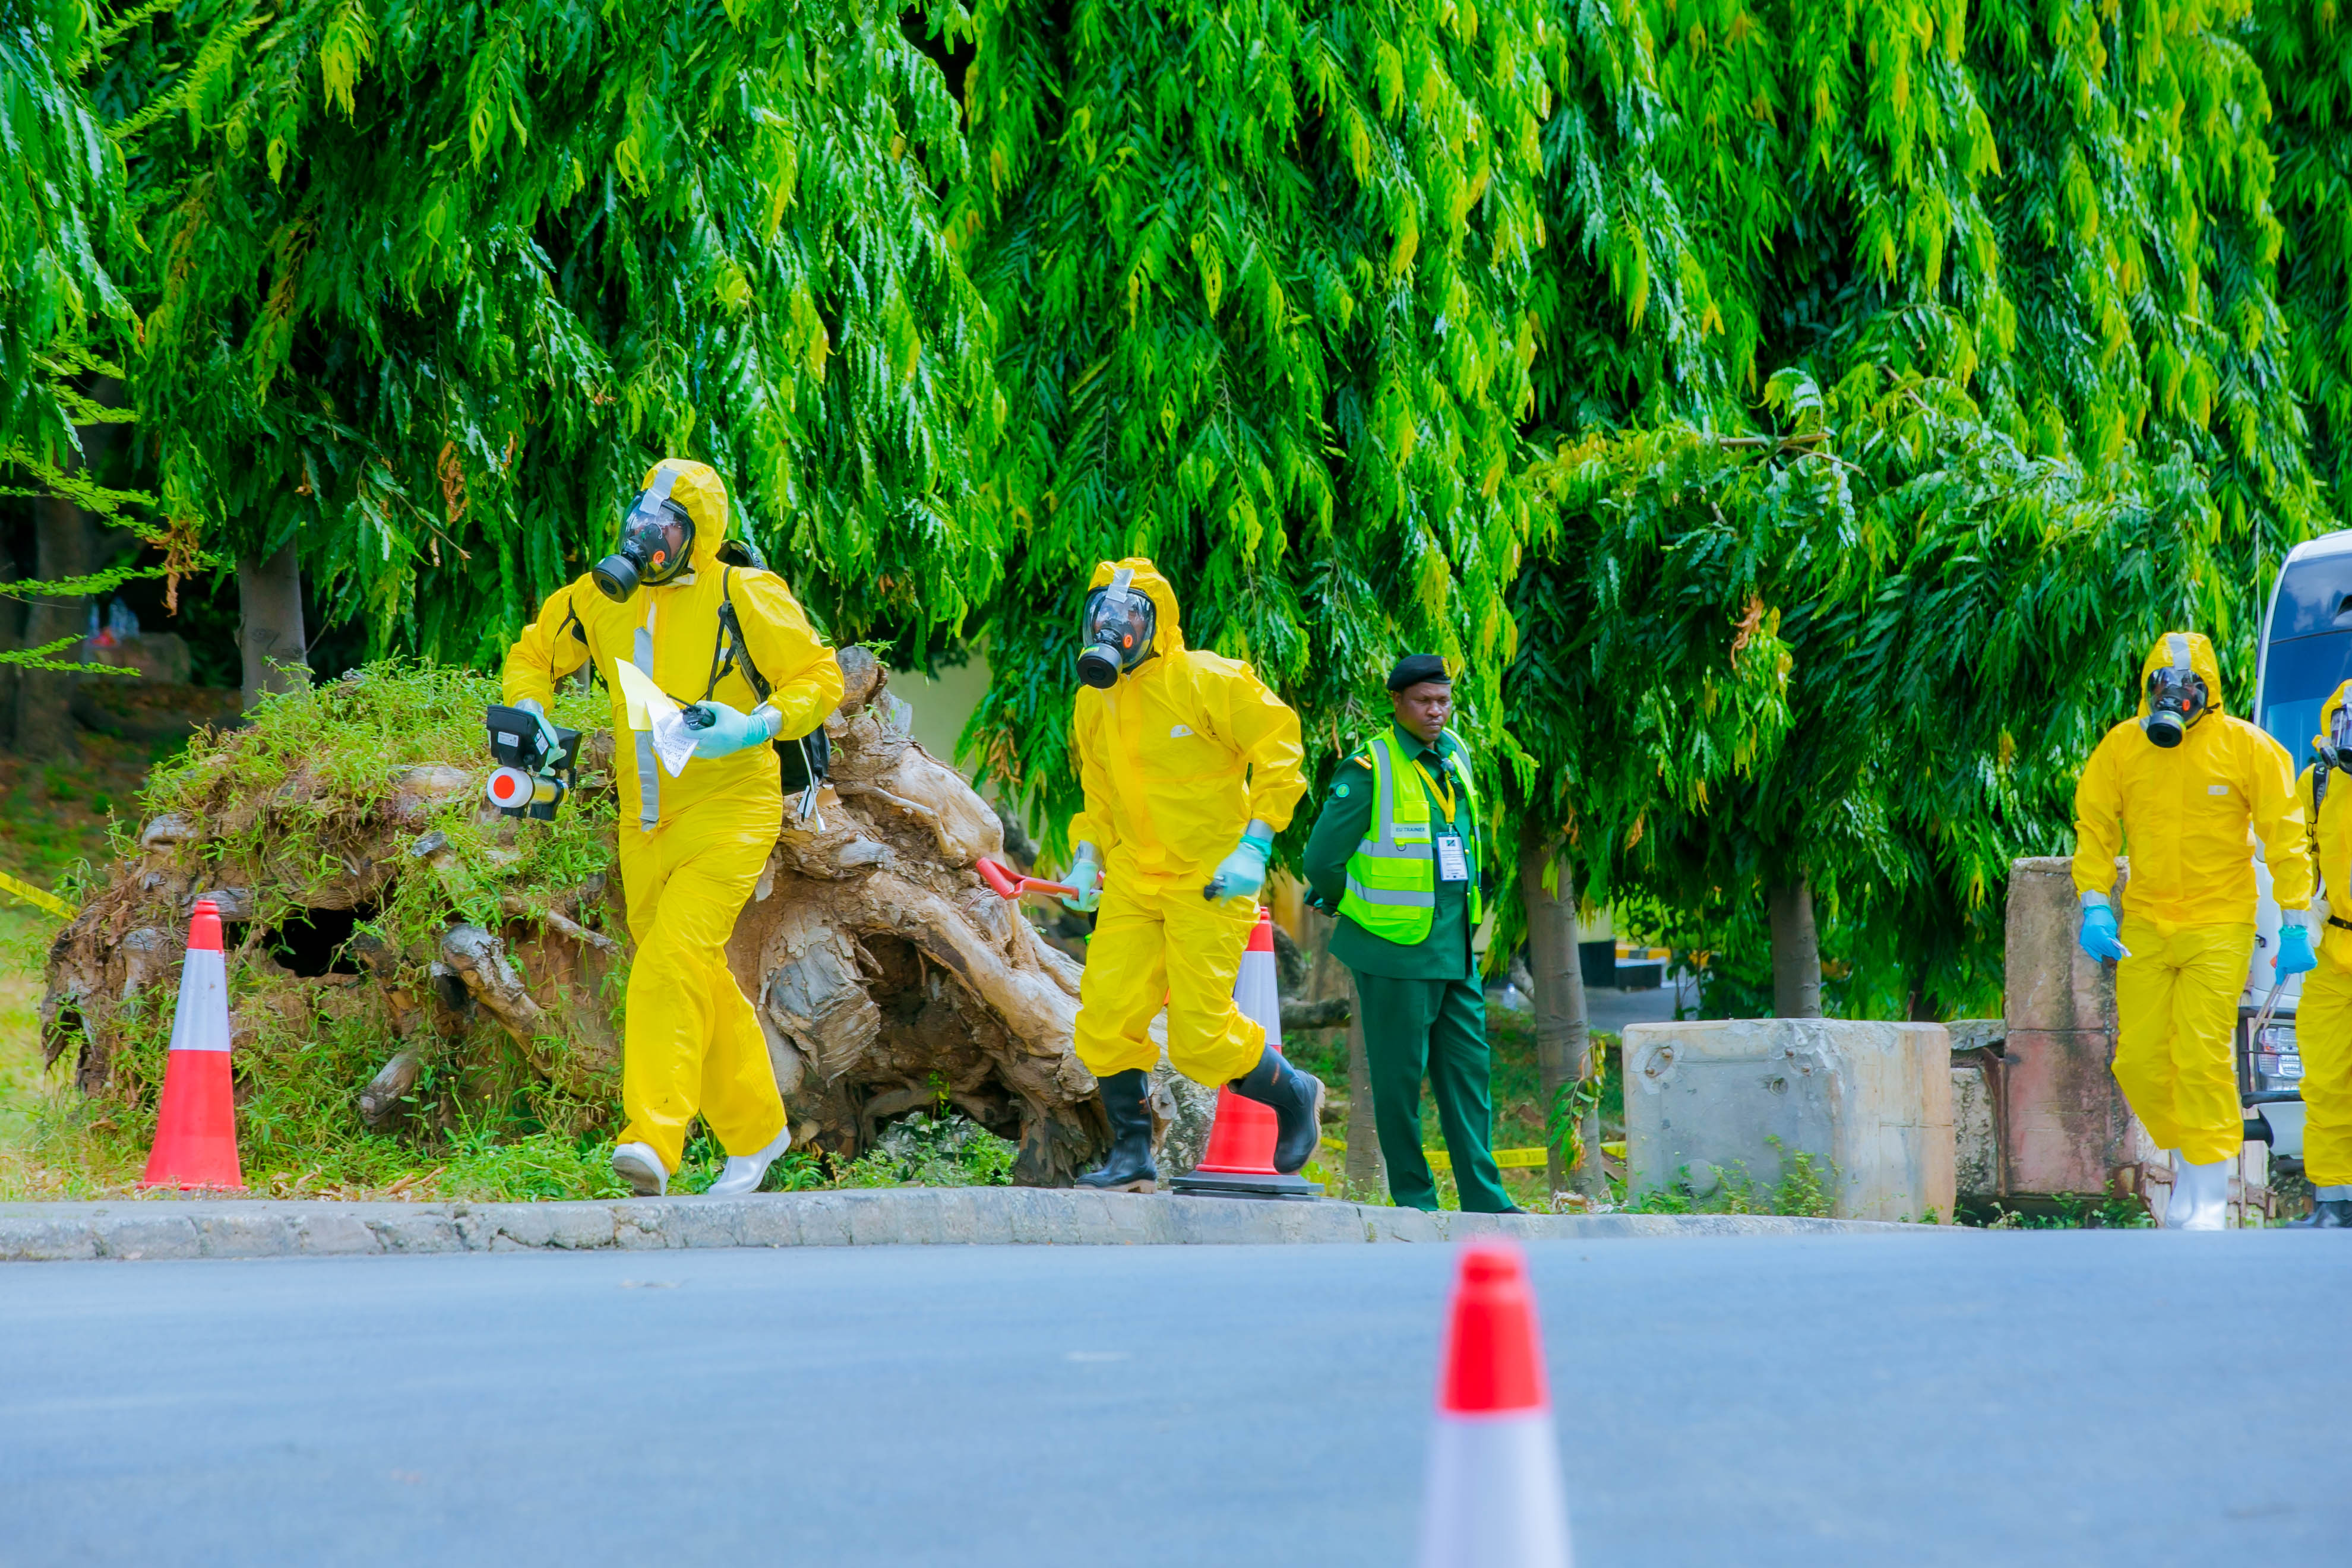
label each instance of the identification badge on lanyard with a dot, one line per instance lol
(1453, 866)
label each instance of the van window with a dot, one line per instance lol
(2300, 674)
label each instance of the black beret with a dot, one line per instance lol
(1415, 667)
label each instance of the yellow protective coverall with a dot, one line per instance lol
(2323, 1024)
(2187, 915)
(1176, 758)
(691, 847)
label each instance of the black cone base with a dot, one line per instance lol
(1230, 1184)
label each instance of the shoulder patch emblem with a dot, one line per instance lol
(1338, 791)
(2217, 789)
(1180, 731)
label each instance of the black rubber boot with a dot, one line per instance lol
(2329, 1214)
(1127, 1099)
(1296, 1098)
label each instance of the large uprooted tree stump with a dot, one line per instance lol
(406, 962)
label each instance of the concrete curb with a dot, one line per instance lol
(205, 1227)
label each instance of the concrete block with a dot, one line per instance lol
(1874, 1100)
(701, 1222)
(824, 1218)
(2051, 984)
(2064, 1121)
(426, 1229)
(767, 1220)
(336, 1234)
(147, 1231)
(1976, 1137)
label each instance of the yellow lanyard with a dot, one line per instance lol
(1444, 795)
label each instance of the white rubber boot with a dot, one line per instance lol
(744, 1172)
(2201, 1196)
(637, 1165)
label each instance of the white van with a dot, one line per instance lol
(2307, 650)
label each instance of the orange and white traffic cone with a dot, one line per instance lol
(195, 1127)
(1494, 1470)
(1239, 1159)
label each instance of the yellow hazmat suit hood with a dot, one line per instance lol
(2167, 650)
(698, 489)
(2335, 704)
(1170, 637)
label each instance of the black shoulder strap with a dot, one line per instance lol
(572, 623)
(731, 651)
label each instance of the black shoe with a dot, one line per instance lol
(1127, 1099)
(1296, 1098)
(2329, 1214)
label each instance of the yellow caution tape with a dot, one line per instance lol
(1509, 1159)
(31, 895)
(1439, 1159)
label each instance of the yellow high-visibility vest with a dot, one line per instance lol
(1392, 876)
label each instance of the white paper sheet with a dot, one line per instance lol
(652, 711)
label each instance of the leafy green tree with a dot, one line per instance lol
(2306, 52)
(64, 322)
(427, 284)
(2015, 272)
(1259, 272)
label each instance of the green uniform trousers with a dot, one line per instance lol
(1437, 1028)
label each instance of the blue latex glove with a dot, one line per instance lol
(2099, 938)
(1085, 874)
(1241, 873)
(548, 746)
(724, 732)
(2294, 954)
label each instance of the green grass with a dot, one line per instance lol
(1808, 1187)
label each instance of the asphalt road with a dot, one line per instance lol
(2069, 1399)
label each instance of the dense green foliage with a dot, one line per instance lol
(1948, 346)
(428, 284)
(1258, 272)
(1798, 417)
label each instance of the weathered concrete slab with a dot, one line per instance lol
(2064, 1125)
(205, 1227)
(1717, 1098)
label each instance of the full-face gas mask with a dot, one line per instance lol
(2177, 697)
(1117, 630)
(2335, 751)
(656, 539)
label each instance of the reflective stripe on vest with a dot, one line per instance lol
(1392, 876)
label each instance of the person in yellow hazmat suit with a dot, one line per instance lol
(1190, 766)
(2178, 785)
(730, 645)
(2323, 1024)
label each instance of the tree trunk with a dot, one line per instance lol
(45, 726)
(1796, 951)
(1365, 1171)
(1563, 1041)
(269, 605)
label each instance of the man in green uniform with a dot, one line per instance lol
(1397, 853)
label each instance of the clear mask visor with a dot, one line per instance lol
(656, 530)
